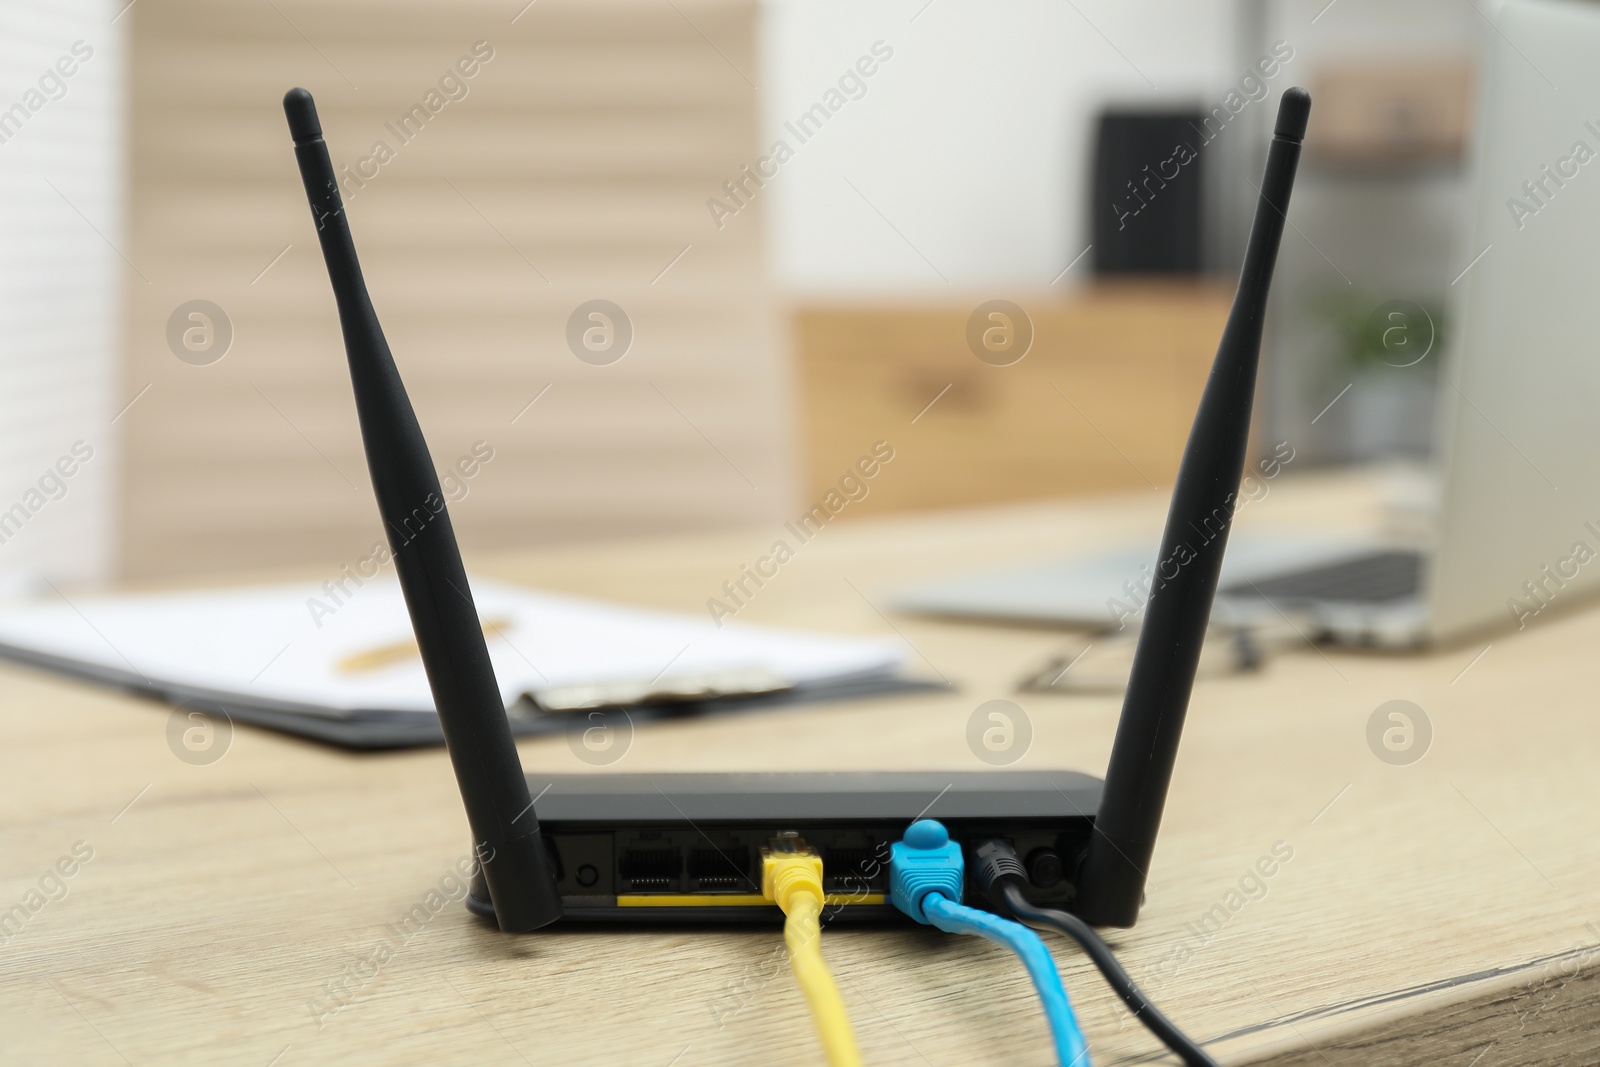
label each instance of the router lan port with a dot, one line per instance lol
(856, 868)
(722, 869)
(651, 870)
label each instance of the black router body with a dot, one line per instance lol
(685, 847)
(648, 847)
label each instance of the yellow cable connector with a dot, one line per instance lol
(791, 877)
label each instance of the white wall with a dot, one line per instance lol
(1373, 233)
(972, 140)
(61, 188)
(1376, 30)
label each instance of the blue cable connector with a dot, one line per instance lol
(924, 861)
(926, 875)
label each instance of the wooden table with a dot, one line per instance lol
(1440, 912)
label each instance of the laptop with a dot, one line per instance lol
(1517, 533)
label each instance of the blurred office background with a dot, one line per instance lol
(165, 302)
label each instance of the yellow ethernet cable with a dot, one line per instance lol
(791, 877)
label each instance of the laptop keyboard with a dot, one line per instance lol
(1379, 578)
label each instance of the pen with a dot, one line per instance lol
(376, 659)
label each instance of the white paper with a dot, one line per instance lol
(266, 645)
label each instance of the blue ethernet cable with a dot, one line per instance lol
(926, 875)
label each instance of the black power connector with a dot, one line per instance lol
(1002, 875)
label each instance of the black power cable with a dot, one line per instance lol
(1001, 874)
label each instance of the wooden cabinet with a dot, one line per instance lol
(1101, 401)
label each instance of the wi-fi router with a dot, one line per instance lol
(622, 847)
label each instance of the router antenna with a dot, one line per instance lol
(1111, 876)
(517, 867)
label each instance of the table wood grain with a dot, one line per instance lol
(251, 911)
